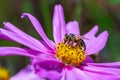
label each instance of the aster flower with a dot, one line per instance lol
(67, 58)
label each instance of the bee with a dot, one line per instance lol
(73, 40)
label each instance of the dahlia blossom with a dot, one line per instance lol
(65, 58)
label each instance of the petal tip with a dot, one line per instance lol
(24, 15)
(4, 23)
(96, 27)
(75, 22)
(55, 7)
(106, 33)
(58, 6)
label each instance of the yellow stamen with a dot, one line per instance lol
(4, 74)
(70, 55)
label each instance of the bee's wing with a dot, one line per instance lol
(82, 37)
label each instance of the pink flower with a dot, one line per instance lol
(48, 58)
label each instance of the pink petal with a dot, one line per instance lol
(38, 28)
(102, 70)
(2, 36)
(73, 27)
(62, 21)
(63, 76)
(26, 74)
(95, 44)
(74, 74)
(70, 75)
(50, 51)
(91, 34)
(14, 29)
(98, 43)
(95, 76)
(109, 65)
(88, 60)
(50, 69)
(47, 62)
(50, 75)
(6, 51)
(47, 66)
(102, 73)
(80, 75)
(58, 24)
(43, 58)
(25, 40)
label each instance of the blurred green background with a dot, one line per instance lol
(105, 13)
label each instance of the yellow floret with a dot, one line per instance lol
(4, 74)
(70, 55)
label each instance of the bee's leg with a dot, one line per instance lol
(78, 43)
(65, 38)
(83, 44)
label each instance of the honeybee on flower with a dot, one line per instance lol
(65, 58)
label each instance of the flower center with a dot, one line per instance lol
(71, 51)
(4, 74)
